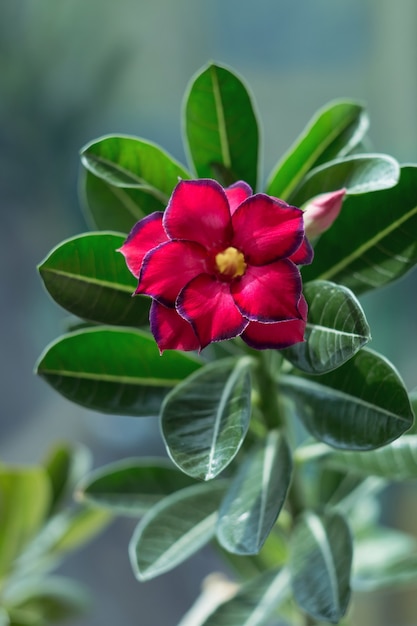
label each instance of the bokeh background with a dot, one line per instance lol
(73, 70)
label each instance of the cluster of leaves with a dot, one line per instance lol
(39, 527)
(271, 451)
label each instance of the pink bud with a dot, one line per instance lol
(322, 211)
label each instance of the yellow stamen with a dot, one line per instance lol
(231, 262)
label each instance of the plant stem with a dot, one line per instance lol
(268, 399)
(269, 363)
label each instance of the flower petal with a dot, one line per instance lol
(304, 255)
(199, 211)
(267, 229)
(207, 303)
(279, 335)
(171, 331)
(303, 307)
(322, 211)
(145, 235)
(270, 293)
(236, 194)
(169, 267)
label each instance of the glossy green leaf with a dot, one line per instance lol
(358, 174)
(336, 329)
(132, 486)
(88, 277)
(384, 558)
(107, 207)
(113, 370)
(66, 464)
(205, 418)
(221, 127)
(320, 564)
(255, 497)
(255, 602)
(360, 406)
(174, 529)
(397, 461)
(334, 131)
(24, 502)
(382, 249)
(124, 161)
(413, 400)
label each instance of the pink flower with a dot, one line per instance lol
(221, 263)
(322, 211)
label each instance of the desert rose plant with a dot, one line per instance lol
(246, 339)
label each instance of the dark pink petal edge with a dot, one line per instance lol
(274, 336)
(144, 236)
(237, 193)
(209, 306)
(267, 229)
(170, 330)
(198, 210)
(304, 255)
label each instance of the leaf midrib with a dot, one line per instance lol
(319, 534)
(303, 382)
(308, 162)
(224, 399)
(267, 465)
(335, 331)
(224, 144)
(198, 531)
(279, 586)
(353, 256)
(111, 378)
(83, 278)
(137, 181)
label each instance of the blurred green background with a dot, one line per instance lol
(73, 70)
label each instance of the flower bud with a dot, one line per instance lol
(322, 211)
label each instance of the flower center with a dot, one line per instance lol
(230, 263)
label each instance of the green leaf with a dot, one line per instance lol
(124, 161)
(174, 529)
(397, 461)
(382, 249)
(334, 131)
(384, 558)
(336, 329)
(132, 486)
(24, 503)
(4, 617)
(88, 277)
(113, 370)
(395, 575)
(221, 127)
(360, 406)
(358, 174)
(255, 497)
(65, 465)
(255, 602)
(320, 563)
(48, 600)
(64, 533)
(107, 207)
(78, 527)
(205, 418)
(413, 400)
